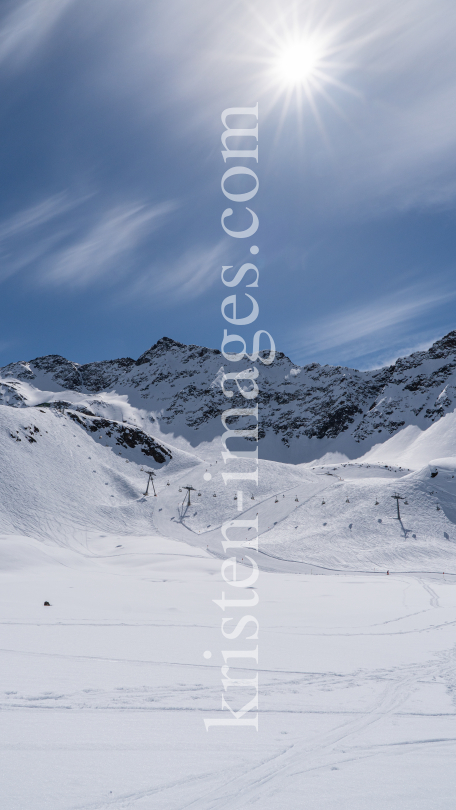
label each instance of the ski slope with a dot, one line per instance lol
(103, 694)
(61, 480)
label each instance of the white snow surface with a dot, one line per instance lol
(60, 481)
(103, 693)
(306, 412)
(415, 447)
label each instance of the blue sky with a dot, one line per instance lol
(110, 198)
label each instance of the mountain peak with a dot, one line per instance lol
(444, 346)
(160, 347)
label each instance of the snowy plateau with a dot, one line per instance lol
(104, 691)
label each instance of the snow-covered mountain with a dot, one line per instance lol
(174, 393)
(76, 442)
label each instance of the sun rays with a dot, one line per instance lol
(305, 60)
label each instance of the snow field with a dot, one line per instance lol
(67, 481)
(414, 447)
(60, 483)
(103, 694)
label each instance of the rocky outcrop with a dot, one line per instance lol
(304, 411)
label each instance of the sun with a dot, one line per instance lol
(304, 61)
(300, 61)
(305, 64)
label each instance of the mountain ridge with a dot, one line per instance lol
(305, 411)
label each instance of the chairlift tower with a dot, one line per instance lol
(151, 475)
(189, 490)
(398, 498)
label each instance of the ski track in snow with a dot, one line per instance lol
(374, 704)
(103, 694)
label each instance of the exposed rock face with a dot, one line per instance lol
(9, 395)
(125, 436)
(303, 411)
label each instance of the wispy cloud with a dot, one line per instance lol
(24, 237)
(36, 215)
(393, 143)
(404, 349)
(370, 328)
(78, 249)
(187, 277)
(399, 148)
(100, 250)
(26, 27)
